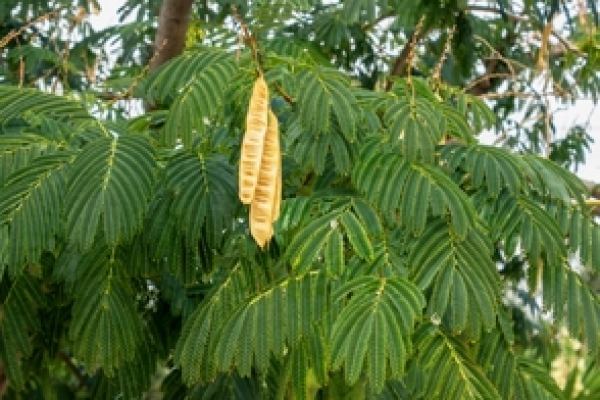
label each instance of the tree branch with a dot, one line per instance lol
(73, 368)
(172, 30)
(517, 18)
(401, 63)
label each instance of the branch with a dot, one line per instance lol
(172, 30)
(517, 18)
(73, 368)
(400, 65)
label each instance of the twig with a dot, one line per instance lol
(16, 32)
(436, 76)
(73, 368)
(248, 38)
(283, 94)
(136, 80)
(485, 78)
(568, 45)
(404, 61)
(521, 95)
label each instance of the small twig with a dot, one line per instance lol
(73, 368)
(437, 70)
(404, 60)
(521, 95)
(517, 18)
(283, 94)
(412, 52)
(485, 78)
(16, 32)
(136, 80)
(247, 38)
(547, 114)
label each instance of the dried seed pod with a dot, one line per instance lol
(253, 143)
(278, 192)
(263, 204)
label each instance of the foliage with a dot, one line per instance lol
(407, 256)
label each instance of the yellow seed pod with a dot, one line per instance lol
(253, 143)
(265, 198)
(278, 193)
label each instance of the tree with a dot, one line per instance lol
(408, 260)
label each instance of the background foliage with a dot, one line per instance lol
(409, 260)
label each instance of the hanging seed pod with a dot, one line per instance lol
(264, 203)
(278, 191)
(253, 144)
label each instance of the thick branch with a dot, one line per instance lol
(172, 29)
(400, 65)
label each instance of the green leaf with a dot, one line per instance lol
(19, 300)
(16, 102)
(31, 202)
(109, 190)
(492, 167)
(357, 236)
(449, 370)
(324, 91)
(464, 278)
(334, 254)
(378, 319)
(106, 327)
(410, 192)
(539, 233)
(205, 195)
(195, 83)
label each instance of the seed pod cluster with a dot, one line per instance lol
(260, 165)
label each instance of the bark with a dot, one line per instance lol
(172, 29)
(400, 66)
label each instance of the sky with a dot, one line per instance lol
(582, 112)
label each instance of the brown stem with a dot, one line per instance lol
(73, 368)
(401, 64)
(284, 95)
(172, 30)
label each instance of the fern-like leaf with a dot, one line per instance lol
(18, 321)
(375, 326)
(112, 184)
(323, 91)
(195, 83)
(463, 277)
(16, 102)
(232, 329)
(106, 328)
(205, 194)
(410, 192)
(449, 369)
(492, 167)
(31, 202)
(522, 217)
